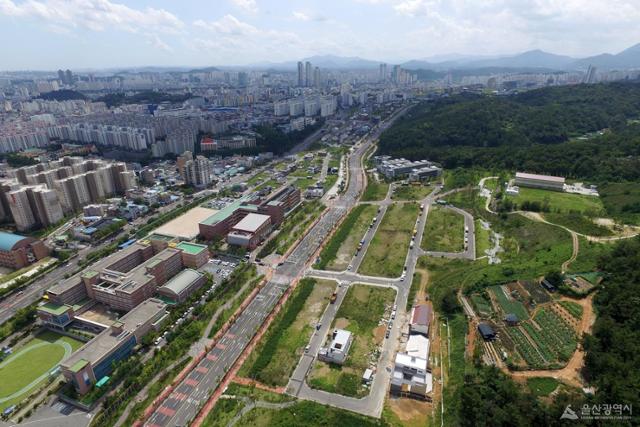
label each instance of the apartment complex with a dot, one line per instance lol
(40, 195)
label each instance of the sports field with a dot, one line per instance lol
(30, 366)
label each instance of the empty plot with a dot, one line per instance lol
(342, 246)
(388, 250)
(444, 231)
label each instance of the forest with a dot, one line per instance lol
(555, 130)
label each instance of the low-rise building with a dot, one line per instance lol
(18, 251)
(545, 182)
(411, 375)
(250, 231)
(180, 287)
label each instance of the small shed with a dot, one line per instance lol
(367, 376)
(486, 331)
(547, 285)
(511, 319)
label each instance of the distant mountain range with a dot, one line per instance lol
(533, 59)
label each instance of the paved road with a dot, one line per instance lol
(373, 403)
(183, 404)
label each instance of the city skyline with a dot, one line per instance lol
(88, 34)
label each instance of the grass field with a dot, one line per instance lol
(411, 192)
(444, 231)
(559, 202)
(542, 386)
(375, 190)
(588, 256)
(28, 367)
(415, 286)
(359, 313)
(388, 249)
(338, 253)
(304, 413)
(279, 350)
(622, 201)
(482, 239)
(578, 223)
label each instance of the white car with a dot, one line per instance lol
(349, 267)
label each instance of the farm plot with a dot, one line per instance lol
(573, 308)
(556, 334)
(508, 304)
(482, 305)
(539, 295)
(528, 352)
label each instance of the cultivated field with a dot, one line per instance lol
(388, 249)
(360, 313)
(29, 366)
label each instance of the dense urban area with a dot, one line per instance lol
(374, 245)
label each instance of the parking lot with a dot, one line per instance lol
(220, 267)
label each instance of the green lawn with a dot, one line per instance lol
(342, 246)
(559, 202)
(257, 178)
(388, 249)
(27, 367)
(542, 386)
(280, 349)
(622, 201)
(359, 313)
(444, 231)
(411, 192)
(375, 190)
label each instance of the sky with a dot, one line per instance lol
(85, 34)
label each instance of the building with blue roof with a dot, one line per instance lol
(18, 251)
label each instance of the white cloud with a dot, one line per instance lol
(301, 16)
(96, 15)
(158, 43)
(249, 6)
(228, 24)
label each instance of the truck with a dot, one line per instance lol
(333, 298)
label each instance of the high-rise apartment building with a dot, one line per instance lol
(197, 172)
(300, 74)
(34, 206)
(308, 74)
(383, 73)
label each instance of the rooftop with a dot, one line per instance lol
(182, 281)
(105, 342)
(223, 213)
(421, 315)
(9, 240)
(252, 222)
(185, 226)
(54, 309)
(524, 175)
(191, 248)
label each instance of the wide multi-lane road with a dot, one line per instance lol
(183, 404)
